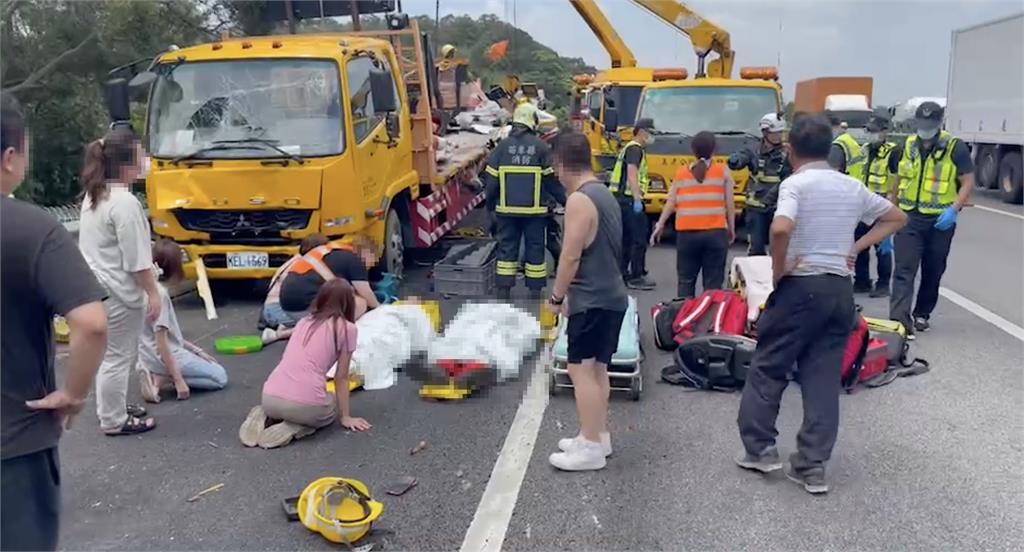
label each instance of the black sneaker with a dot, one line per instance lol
(880, 291)
(813, 480)
(641, 283)
(767, 462)
(921, 324)
(862, 287)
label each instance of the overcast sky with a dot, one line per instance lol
(903, 44)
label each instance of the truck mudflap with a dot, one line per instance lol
(436, 214)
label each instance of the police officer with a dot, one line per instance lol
(846, 156)
(936, 176)
(629, 185)
(518, 176)
(879, 179)
(768, 168)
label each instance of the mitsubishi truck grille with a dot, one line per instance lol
(243, 226)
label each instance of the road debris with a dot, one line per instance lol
(212, 444)
(422, 445)
(559, 425)
(212, 489)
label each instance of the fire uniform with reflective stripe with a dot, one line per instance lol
(767, 170)
(519, 179)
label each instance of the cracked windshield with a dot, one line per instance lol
(690, 110)
(247, 109)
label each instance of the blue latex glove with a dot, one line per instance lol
(638, 206)
(947, 219)
(885, 246)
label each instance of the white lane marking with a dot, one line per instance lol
(998, 211)
(983, 313)
(487, 531)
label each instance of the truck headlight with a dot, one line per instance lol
(656, 184)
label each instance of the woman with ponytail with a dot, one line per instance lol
(114, 237)
(701, 198)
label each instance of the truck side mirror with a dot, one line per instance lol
(118, 100)
(611, 119)
(382, 88)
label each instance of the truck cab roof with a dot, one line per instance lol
(326, 45)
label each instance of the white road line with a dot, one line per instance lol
(998, 211)
(487, 531)
(983, 313)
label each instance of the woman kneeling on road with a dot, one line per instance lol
(295, 393)
(165, 356)
(279, 322)
(701, 199)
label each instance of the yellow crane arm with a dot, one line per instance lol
(621, 55)
(706, 36)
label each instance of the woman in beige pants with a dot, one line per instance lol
(114, 237)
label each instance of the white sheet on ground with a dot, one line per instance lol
(388, 337)
(754, 274)
(496, 333)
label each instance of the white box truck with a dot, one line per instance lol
(985, 101)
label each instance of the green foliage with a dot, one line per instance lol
(57, 53)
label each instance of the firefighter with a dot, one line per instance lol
(518, 177)
(879, 179)
(936, 176)
(846, 156)
(768, 168)
(628, 184)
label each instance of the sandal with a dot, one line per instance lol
(136, 411)
(132, 426)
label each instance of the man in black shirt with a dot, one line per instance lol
(350, 262)
(42, 273)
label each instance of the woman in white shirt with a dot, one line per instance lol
(114, 237)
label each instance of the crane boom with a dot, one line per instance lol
(620, 54)
(706, 36)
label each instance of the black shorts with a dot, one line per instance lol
(594, 334)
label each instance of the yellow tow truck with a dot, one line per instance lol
(258, 142)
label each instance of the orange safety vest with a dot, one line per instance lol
(314, 260)
(700, 205)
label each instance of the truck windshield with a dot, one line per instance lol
(854, 119)
(626, 99)
(690, 110)
(215, 109)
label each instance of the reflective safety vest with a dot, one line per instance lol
(619, 174)
(929, 185)
(700, 205)
(519, 189)
(762, 188)
(876, 175)
(314, 260)
(854, 153)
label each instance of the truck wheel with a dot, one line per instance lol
(394, 244)
(987, 168)
(1010, 176)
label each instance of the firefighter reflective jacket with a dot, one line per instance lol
(519, 176)
(767, 171)
(876, 173)
(929, 185)
(619, 172)
(854, 155)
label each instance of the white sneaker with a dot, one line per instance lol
(584, 456)
(567, 444)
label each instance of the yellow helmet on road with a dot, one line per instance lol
(526, 115)
(339, 509)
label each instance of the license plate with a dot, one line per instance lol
(248, 260)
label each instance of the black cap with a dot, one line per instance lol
(877, 123)
(928, 115)
(643, 124)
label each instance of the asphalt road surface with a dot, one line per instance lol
(928, 463)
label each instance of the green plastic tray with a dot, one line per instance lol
(238, 345)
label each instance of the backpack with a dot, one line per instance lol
(663, 315)
(868, 360)
(711, 363)
(894, 334)
(714, 312)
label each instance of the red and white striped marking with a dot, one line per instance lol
(429, 207)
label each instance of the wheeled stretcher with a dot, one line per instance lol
(624, 371)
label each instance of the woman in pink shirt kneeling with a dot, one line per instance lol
(295, 394)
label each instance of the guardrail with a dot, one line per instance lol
(68, 214)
